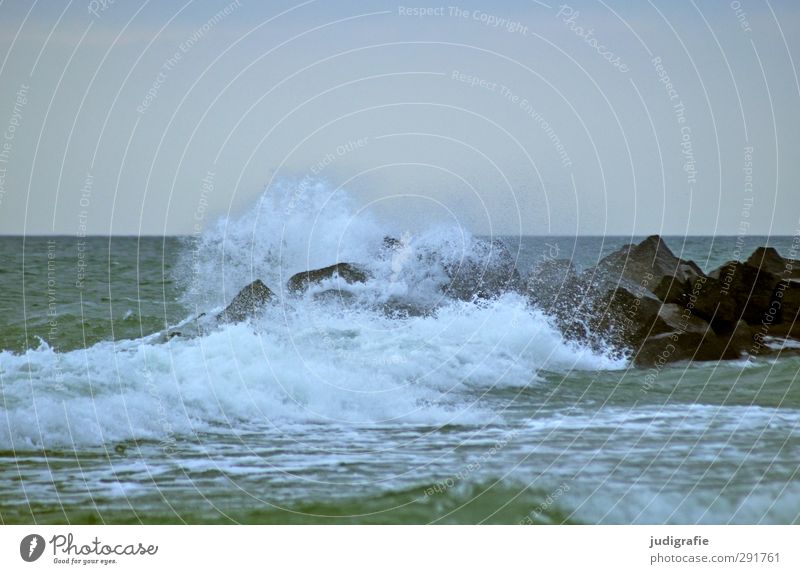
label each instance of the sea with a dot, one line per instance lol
(334, 409)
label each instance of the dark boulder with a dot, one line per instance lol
(681, 319)
(787, 323)
(487, 271)
(671, 290)
(350, 273)
(624, 319)
(554, 286)
(752, 289)
(250, 300)
(768, 259)
(707, 299)
(648, 261)
(685, 346)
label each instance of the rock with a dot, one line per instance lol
(752, 289)
(671, 290)
(768, 259)
(707, 299)
(648, 261)
(300, 282)
(694, 341)
(741, 339)
(664, 309)
(625, 319)
(787, 295)
(487, 271)
(339, 295)
(398, 308)
(684, 346)
(680, 319)
(553, 285)
(250, 300)
(392, 243)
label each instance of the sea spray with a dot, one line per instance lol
(304, 360)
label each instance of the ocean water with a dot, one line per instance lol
(326, 409)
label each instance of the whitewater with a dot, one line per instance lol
(351, 402)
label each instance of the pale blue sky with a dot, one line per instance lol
(273, 89)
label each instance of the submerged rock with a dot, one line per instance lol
(488, 271)
(250, 300)
(351, 273)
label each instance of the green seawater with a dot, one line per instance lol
(323, 415)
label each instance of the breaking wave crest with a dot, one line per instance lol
(307, 358)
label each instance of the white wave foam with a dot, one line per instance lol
(304, 360)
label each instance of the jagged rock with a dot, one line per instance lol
(647, 261)
(671, 290)
(554, 285)
(790, 303)
(752, 289)
(489, 270)
(626, 319)
(787, 295)
(249, 301)
(768, 259)
(663, 309)
(684, 346)
(707, 300)
(681, 319)
(694, 341)
(741, 338)
(350, 273)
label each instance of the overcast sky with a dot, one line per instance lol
(516, 117)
